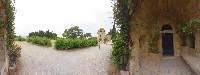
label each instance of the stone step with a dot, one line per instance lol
(193, 62)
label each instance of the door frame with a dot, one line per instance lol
(167, 29)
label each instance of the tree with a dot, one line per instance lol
(73, 32)
(87, 35)
(110, 32)
(46, 34)
(51, 35)
(113, 32)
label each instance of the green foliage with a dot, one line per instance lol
(7, 22)
(153, 44)
(42, 41)
(73, 32)
(153, 47)
(14, 53)
(117, 52)
(20, 38)
(189, 28)
(87, 35)
(112, 32)
(92, 38)
(64, 44)
(122, 40)
(46, 34)
(195, 22)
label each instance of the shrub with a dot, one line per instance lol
(20, 38)
(14, 53)
(117, 51)
(43, 41)
(63, 44)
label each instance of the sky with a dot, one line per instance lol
(58, 15)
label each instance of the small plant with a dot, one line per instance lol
(42, 41)
(153, 47)
(117, 51)
(14, 53)
(64, 44)
(153, 44)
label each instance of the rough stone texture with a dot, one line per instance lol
(3, 57)
(197, 43)
(189, 55)
(165, 66)
(37, 60)
(147, 21)
(124, 73)
(113, 70)
(175, 66)
(101, 35)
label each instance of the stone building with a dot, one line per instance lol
(101, 38)
(157, 33)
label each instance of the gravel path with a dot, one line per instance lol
(36, 60)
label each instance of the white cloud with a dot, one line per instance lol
(57, 15)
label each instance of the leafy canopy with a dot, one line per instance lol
(73, 32)
(87, 35)
(46, 34)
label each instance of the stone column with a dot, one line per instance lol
(197, 41)
(134, 59)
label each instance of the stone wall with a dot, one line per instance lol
(4, 69)
(197, 42)
(101, 35)
(149, 20)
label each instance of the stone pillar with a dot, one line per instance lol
(197, 40)
(134, 59)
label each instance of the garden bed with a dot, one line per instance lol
(65, 44)
(42, 41)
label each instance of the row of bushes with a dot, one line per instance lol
(43, 41)
(63, 44)
(20, 38)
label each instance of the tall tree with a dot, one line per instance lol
(114, 32)
(87, 35)
(110, 32)
(73, 32)
(41, 33)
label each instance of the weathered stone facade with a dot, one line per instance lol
(101, 38)
(197, 40)
(148, 20)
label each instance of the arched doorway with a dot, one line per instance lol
(167, 40)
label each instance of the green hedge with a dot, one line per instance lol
(63, 44)
(19, 38)
(39, 41)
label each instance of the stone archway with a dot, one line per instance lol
(167, 41)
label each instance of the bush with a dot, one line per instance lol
(117, 51)
(43, 41)
(63, 44)
(14, 53)
(20, 38)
